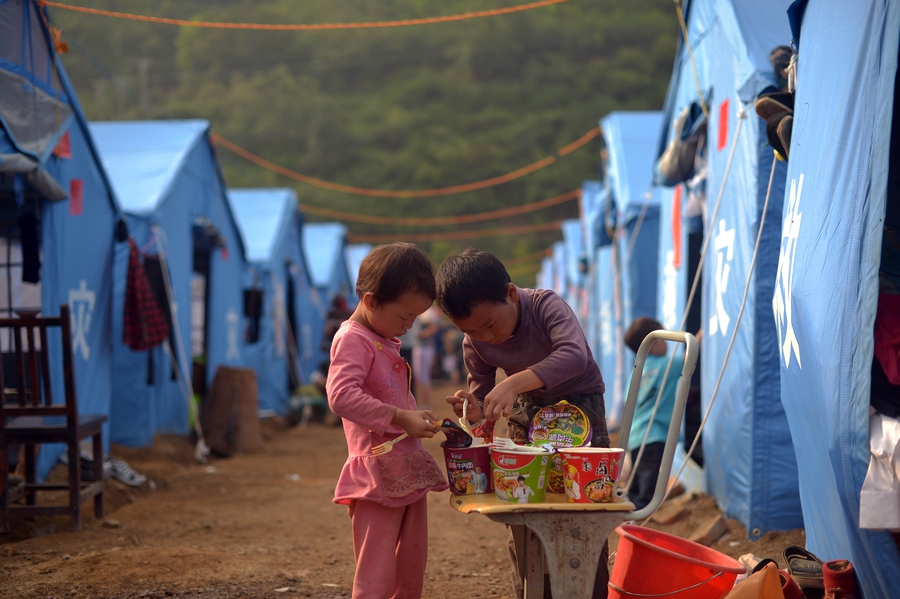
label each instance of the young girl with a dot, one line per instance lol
(368, 386)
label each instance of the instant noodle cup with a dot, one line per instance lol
(591, 473)
(520, 474)
(561, 425)
(469, 468)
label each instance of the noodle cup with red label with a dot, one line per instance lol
(591, 473)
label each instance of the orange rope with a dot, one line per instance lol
(409, 193)
(483, 233)
(441, 220)
(527, 259)
(304, 27)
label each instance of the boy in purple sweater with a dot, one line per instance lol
(532, 335)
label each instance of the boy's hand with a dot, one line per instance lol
(499, 402)
(416, 423)
(473, 411)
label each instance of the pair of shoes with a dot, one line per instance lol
(839, 579)
(777, 108)
(122, 472)
(806, 570)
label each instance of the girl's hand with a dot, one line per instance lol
(473, 410)
(416, 423)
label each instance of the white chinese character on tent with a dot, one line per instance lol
(81, 304)
(670, 293)
(231, 319)
(784, 281)
(724, 246)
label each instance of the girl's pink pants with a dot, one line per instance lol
(391, 546)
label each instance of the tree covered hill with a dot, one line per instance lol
(396, 108)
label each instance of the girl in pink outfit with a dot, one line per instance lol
(368, 386)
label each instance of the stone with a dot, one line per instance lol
(710, 531)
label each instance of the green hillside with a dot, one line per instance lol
(396, 108)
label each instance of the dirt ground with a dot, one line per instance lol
(262, 526)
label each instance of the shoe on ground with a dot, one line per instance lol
(122, 472)
(839, 580)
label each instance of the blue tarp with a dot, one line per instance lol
(270, 224)
(610, 355)
(631, 139)
(324, 244)
(77, 232)
(558, 256)
(826, 292)
(354, 255)
(573, 244)
(545, 275)
(749, 458)
(167, 176)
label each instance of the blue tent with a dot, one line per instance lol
(631, 139)
(325, 244)
(626, 273)
(590, 212)
(558, 256)
(280, 351)
(545, 274)
(749, 458)
(827, 287)
(49, 168)
(169, 182)
(576, 294)
(354, 256)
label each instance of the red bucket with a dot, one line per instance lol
(650, 563)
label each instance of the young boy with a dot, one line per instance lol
(644, 480)
(534, 336)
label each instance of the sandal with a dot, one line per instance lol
(804, 567)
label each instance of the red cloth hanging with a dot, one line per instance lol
(145, 323)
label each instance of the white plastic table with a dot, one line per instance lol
(570, 536)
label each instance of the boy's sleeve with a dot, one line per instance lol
(482, 376)
(351, 360)
(568, 354)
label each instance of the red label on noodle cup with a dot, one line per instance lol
(591, 473)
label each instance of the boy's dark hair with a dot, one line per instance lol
(638, 331)
(469, 279)
(391, 270)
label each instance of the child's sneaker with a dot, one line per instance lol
(124, 473)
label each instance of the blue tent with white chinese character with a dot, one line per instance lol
(749, 457)
(842, 188)
(59, 205)
(278, 348)
(170, 185)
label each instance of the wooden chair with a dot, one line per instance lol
(32, 418)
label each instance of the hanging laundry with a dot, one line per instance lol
(154, 268)
(145, 325)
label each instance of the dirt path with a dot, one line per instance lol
(251, 526)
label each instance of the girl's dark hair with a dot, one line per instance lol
(638, 331)
(392, 270)
(469, 279)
